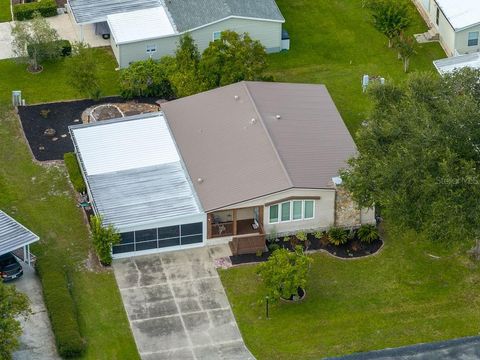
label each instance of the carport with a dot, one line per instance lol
(14, 235)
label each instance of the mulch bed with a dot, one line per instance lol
(58, 116)
(352, 249)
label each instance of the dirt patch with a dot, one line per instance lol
(57, 117)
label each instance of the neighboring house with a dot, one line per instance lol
(230, 164)
(457, 23)
(448, 65)
(142, 29)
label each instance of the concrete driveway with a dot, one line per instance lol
(37, 340)
(177, 306)
(6, 40)
(67, 29)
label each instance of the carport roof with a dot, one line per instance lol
(13, 235)
(94, 11)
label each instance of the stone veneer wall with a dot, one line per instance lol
(347, 212)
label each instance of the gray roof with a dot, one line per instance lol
(451, 64)
(94, 11)
(232, 139)
(13, 235)
(190, 14)
(186, 14)
(139, 196)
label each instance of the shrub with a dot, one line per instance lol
(284, 272)
(61, 308)
(368, 233)
(103, 238)
(148, 78)
(301, 235)
(337, 236)
(74, 172)
(45, 8)
(318, 235)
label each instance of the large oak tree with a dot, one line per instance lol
(419, 155)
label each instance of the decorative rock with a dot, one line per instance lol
(76, 120)
(55, 139)
(63, 135)
(49, 132)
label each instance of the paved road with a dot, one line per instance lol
(459, 349)
(37, 340)
(177, 306)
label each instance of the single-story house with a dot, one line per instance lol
(142, 29)
(448, 65)
(228, 165)
(457, 23)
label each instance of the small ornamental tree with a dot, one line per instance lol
(285, 272)
(83, 71)
(103, 239)
(12, 305)
(406, 49)
(184, 78)
(390, 17)
(35, 41)
(233, 58)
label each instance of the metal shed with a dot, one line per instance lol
(14, 235)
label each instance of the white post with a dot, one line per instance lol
(28, 254)
(25, 254)
(81, 33)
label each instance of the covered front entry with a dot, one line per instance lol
(244, 225)
(234, 222)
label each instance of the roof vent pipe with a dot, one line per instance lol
(278, 117)
(253, 121)
(200, 180)
(236, 97)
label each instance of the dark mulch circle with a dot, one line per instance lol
(352, 249)
(58, 116)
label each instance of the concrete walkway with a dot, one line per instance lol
(37, 340)
(459, 349)
(177, 306)
(6, 39)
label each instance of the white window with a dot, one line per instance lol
(151, 49)
(292, 211)
(473, 38)
(273, 214)
(285, 211)
(297, 210)
(217, 35)
(308, 212)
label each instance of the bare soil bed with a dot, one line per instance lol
(46, 125)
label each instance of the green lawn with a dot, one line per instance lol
(52, 83)
(5, 13)
(334, 43)
(402, 296)
(42, 199)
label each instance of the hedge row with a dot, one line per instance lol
(61, 308)
(45, 8)
(64, 46)
(74, 172)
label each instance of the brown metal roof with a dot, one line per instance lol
(236, 148)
